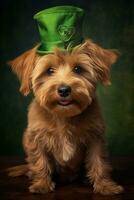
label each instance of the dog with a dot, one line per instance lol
(65, 131)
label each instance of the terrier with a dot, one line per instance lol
(65, 132)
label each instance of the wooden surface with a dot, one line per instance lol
(17, 188)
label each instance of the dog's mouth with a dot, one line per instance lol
(66, 107)
(65, 102)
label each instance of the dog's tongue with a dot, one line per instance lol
(64, 102)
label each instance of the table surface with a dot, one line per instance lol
(17, 188)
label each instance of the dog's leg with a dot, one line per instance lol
(41, 169)
(98, 171)
(39, 166)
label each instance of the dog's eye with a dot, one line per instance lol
(77, 69)
(50, 71)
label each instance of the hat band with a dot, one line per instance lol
(48, 47)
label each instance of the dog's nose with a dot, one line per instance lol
(64, 90)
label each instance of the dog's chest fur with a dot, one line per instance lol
(64, 145)
(65, 148)
(68, 149)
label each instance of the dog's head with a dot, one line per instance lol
(64, 82)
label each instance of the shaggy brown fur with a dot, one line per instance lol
(65, 133)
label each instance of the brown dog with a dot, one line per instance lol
(65, 129)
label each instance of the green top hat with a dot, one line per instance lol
(60, 27)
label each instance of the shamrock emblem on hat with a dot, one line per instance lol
(66, 32)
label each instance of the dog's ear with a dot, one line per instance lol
(23, 66)
(100, 58)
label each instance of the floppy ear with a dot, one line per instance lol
(101, 59)
(23, 66)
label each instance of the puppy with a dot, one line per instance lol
(65, 131)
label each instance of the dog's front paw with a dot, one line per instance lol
(107, 187)
(42, 187)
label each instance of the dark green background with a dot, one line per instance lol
(110, 24)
